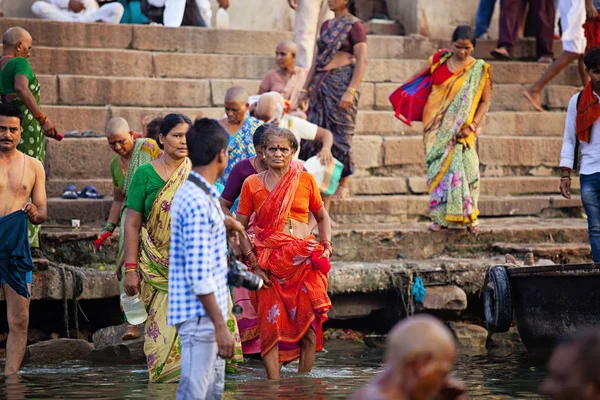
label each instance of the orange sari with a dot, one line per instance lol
(297, 298)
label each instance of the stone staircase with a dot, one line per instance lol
(90, 72)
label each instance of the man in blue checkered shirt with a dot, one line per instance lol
(198, 290)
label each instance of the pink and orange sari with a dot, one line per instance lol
(297, 299)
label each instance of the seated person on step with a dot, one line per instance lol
(78, 11)
(287, 78)
(176, 13)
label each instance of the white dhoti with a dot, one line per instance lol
(310, 15)
(572, 18)
(109, 13)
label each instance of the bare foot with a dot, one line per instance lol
(509, 259)
(131, 333)
(535, 98)
(545, 60)
(342, 192)
(529, 259)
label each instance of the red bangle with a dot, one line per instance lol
(130, 265)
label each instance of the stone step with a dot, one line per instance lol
(501, 186)
(371, 123)
(55, 187)
(86, 210)
(229, 41)
(133, 63)
(403, 208)
(563, 253)
(389, 156)
(414, 241)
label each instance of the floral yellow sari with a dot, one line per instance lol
(453, 164)
(162, 345)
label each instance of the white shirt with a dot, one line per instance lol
(590, 152)
(301, 128)
(90, 5)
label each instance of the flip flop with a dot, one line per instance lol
(70, 193)
(90, 192)
(501, 55)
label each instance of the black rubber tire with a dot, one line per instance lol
(497, 304)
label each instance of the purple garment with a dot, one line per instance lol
(237, 176)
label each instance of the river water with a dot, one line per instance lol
(498, 374)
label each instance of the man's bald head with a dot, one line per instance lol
(270, 106)
(116, 126)
(416, 336)
(287, 46)
(236, 94)
(17, 41)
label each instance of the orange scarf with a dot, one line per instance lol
(588, 112)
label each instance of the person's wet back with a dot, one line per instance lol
(419, 357)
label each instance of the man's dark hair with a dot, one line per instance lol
(11, 110)
(465, 32)
(205, 139)
(587, 346)
(171, 121)
(153, 128)
(258, 134)
(592, 59)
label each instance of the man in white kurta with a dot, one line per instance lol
(78, 11)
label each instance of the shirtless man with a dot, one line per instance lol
(22, 188)
(420, 354)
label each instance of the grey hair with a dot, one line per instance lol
(275, 131)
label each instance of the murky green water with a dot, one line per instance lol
(501, 374)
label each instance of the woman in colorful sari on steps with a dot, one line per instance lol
(131, 153)
(20, 86)
(293, 304)
(333, 83)
(147, 239)
(459, 99)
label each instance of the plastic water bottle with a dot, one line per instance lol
(134, 308)
(222, 21)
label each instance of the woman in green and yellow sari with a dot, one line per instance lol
(147, 243)
(458, 102)
(20, 86)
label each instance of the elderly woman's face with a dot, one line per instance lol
(121, 143)
(279, 152)
(175, 143)
(284, 57)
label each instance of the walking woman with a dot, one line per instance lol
(459, 99)
(147, 240)
(293, 304)
(131, 154)
(333, 82)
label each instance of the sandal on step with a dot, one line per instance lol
(70, 193)
(90, 192)
(501, 55)
(435, 227)
(473, 229)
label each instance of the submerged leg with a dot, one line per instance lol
(271, 361)
(18, 322)
(308, 351)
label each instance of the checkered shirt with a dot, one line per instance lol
(198, 260)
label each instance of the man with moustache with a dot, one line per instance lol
(22, 200)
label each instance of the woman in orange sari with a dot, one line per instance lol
(293, 304)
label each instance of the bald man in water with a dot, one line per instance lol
(240, 127)
(287, 79)
(420, 354)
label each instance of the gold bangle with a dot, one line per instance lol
(131, 270)
(351, 90)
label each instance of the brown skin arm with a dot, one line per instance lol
(360, 53)
(264, 85)
(590, 10)
(37, 210)
(23, 92)
(133, 226)
(246, 246)
(225, 340)
(565, 184)
(326, 137)
(226, 206)
(115, 209)
(324, 224)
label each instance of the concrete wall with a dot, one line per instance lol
(259, 14)
(437, 18)
(17, 8)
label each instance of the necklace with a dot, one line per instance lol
(165, 167)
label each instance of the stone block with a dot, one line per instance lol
(130, 352)
(377, 186)
(519, 151)
(134, 115)
(469, 335)
(445, 298)
(89, 90)
(49, 89)
(384, 123)
(55, 187)
(387, 70)
(99, 62)
(499, 206)
(558, 96)
(85, 210)
(67, 118)
(418, 185)
(79, 158)
(367, 151)
(403, 47)
(219, 88)
(520, 185)
(367, 96)
(73, 34)
(196, 66)
(219, 41)
(524, 124)
(403, 150)
(509, 97)
(527, 72)
(382, 95)
(57, 350)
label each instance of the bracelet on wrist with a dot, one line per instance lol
(131, 270)
(110, 226)
(351, 90)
